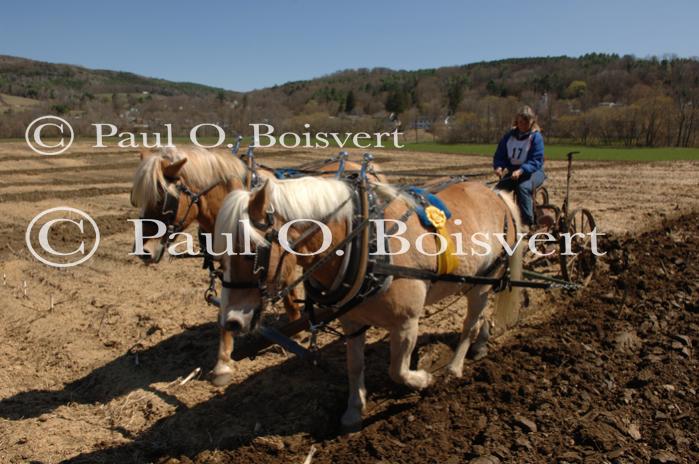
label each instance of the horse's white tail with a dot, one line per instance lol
(507, 303)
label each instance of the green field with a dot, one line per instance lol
(558, 152)
(553, 151)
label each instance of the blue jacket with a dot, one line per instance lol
(535, 156)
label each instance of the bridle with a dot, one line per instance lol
(171, 205)
(260, 267)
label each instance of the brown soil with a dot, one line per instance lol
(608, 374)
(612, 377)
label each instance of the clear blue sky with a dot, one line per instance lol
(241, 45)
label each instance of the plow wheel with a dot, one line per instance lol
(547, 252)
(579, 266)
(541, 196)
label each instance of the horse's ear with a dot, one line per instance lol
(172, 170)
(145, 153)
(257, 208)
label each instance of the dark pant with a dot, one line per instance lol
(524, 186)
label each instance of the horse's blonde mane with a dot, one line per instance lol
(311, 198)
(232, 220)
(315, 198)
(203, 167)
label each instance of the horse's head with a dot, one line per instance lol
(177, 186)
(262, 235)
(166, 204)
(247, 230)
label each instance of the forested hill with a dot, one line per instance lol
(595, 98)
(589, 80)
(49, 81)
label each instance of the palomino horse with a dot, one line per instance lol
(163, 187)
(258, 215)
(173, 175)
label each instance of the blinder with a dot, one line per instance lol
(260, 267)
(171, 204)
(269, 220)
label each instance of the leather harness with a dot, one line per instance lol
(362, 274)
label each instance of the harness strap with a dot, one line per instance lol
(304, 235)
(208, 260)
(434, 190)
(193, 200)
(322, 261)
(401, 271)
(238, 285)
(361, 270)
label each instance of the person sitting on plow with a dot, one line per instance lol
(519, 162)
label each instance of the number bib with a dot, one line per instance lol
(517, 150)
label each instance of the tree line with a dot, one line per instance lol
(595, 99)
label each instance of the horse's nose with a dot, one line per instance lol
(146, 257)
(234, 326)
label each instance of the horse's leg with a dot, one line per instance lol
(403, 338)
(352, 418)
(479, 348)
(223, 371)
(293, 309)
(477, 300)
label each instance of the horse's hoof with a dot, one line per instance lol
(221, 380)
(221, 375)
(420, 379)
(350, 428)
(454, 372)
(427, 379)
(477, 353)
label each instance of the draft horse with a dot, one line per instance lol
(251, 281)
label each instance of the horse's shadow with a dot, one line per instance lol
(166, 361)
(284, 400)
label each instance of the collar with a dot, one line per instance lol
(521, 135)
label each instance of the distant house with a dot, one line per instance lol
(573, 110)
(421, 123)
(130, 115)
(610, 104)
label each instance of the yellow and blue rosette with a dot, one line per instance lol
(446, 262)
